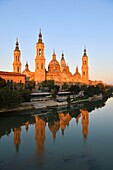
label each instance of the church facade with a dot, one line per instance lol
(57, 71)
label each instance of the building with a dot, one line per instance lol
(57, 71)
(15, 76)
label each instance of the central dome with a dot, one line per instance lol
(54, 65)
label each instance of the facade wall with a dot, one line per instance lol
(13, 78)
(57, 71)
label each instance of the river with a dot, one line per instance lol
(78, 137)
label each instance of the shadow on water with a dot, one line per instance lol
(50, 115)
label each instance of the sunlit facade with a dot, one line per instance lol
(57, 71)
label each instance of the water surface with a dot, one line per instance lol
(74, 138)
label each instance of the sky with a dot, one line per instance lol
(66, 25)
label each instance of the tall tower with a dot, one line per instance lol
(39, 60)
(85, 68)
(16, 62)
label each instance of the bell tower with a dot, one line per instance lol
(16, 62)
(85, 68)
(39, 60)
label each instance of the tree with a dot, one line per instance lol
(101, 86)
(47, 85)
(97, 90)
(65, 86)
(89, 92)
(74, 89)
(2, 82)
(30, 85)
(10, 98)
(54, 91)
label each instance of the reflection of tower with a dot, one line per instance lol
(17, 62)
(17, 133)
(27, 126)
(85, 122)
(40, 134)
(54, 128)
(77, 118)
(64, 121)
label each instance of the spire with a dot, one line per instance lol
(40, 37)
(62, 56)
(17, 45)
(76, 69)
(53, 51)
(26, 66)
(85, 51)
(54, 55)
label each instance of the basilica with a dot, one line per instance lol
(57, 71)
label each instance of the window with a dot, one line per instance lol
(39, 52)
(83, 72)
(85, 62)
(37, 65)
(41, 65)
(18, 69)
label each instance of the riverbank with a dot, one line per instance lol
(26, 107)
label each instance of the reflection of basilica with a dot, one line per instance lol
(40, 134)
(17, 133)
(85, 122)
(54, 126)
(64, 121)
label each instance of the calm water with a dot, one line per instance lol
(77, 138)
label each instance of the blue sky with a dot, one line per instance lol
(66, 25)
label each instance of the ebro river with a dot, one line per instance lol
(73, 138)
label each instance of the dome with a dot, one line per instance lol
(54, 65)
(77, 74)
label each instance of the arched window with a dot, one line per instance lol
(18, 69)
(39, 52)
(41, 65)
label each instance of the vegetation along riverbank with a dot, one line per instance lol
(17, 98)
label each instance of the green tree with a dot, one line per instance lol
(74, 89)
(65, 86)
(10, 98)
(2, 82)
(30, 85)
(55, 91)
(47, 85)
(90, 91)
